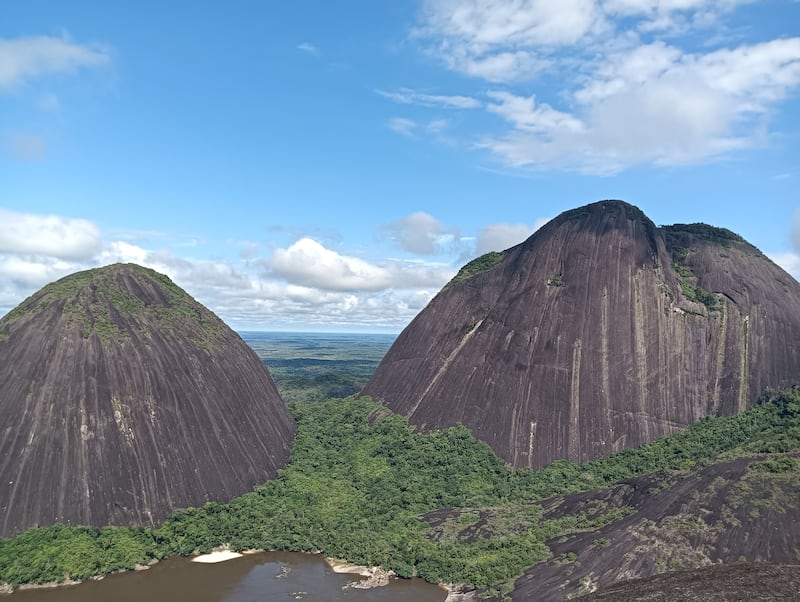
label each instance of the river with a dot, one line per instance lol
(260, 577)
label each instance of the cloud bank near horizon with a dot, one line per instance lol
(305, 285)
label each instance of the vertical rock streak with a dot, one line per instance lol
(602, 330)
(123, 399)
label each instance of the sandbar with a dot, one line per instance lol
(220, 556)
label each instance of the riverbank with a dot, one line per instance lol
(215, 557)
(262, 576)
(375, 575)
(5, 588)
(457, 593)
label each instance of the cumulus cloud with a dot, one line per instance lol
(308, 263)
(420, 233)
(49, 235)
(504, 40)
(32, 272)
(625, 97)
(655, 105)
(305, 285)
(412, 97)
(499, 237)
(310, 287)
(528, 116)
(24, 59)
(418, 274)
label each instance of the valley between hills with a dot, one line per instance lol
(363, 486)
(576, 451)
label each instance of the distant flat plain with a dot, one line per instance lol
(311, 366)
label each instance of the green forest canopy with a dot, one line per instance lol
(359, 480)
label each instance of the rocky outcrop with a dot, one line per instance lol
(733, 512)
(600, 332)
(718, 583)
(123, 399)
(723, 514)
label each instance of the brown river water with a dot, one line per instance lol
(265, 576)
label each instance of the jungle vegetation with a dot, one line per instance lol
(360, 480)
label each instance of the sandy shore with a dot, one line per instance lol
(216, 556)
(338, 566)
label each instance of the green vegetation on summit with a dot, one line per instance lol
(476, 266)
(712, 234)
(97, 301)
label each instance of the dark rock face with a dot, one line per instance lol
(600, 332)
(722, 514)
(123, 399)
(718, 583)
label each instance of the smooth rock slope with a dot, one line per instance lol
(600, 332)
(123, 399)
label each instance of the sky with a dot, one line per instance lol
(328, 166)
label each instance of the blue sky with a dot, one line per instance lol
(329, 165)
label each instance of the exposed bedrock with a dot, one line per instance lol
(600, 332)
(123, 399)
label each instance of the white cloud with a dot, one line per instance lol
(403, 126)
(32, 272)
(411, 129)
(671, 15)
(22, 59)
(788, 261)
(410, 275)
(502, 67)
(653, 104)
(48, 235)
(504, 40)
(412, 97)
(420, 233)
(499, 237)
(525, 115)
(622, 96)
(124, 252)
(437, 126)
(304, 286)
(485, 24)
(309, 48)
(308, 263)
